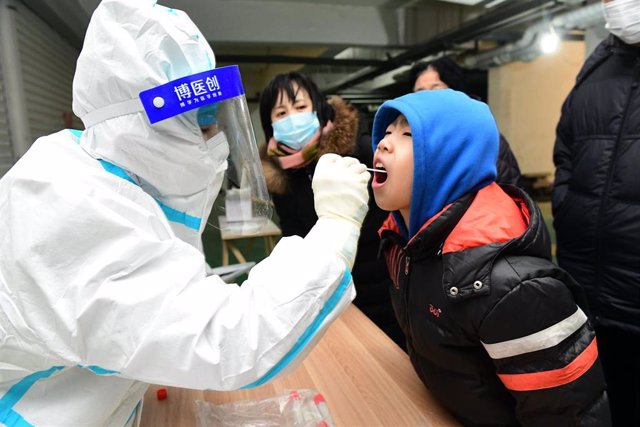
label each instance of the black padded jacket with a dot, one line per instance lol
(596, 191)
(507, 166)
(493, 330)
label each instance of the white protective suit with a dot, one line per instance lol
(100, 294)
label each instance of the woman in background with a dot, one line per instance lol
(300, 125)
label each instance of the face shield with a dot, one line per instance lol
(214, 102)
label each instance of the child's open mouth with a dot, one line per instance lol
(379, 174)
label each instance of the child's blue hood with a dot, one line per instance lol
(455, 148)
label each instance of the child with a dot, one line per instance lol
(491, 325)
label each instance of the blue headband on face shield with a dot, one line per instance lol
(196, 91)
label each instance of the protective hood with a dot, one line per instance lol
(455, 148)
(131, 46)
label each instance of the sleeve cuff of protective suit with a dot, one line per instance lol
(336, 235)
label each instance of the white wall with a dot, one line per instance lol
(526, 98)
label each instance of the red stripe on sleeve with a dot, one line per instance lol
(555, 377)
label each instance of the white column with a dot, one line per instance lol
(19, 132)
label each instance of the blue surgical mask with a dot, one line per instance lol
(296, 130)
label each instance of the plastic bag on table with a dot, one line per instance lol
(294, 408)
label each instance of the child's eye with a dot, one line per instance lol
(387, 133)
(406, 134)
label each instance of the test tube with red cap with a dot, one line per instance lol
(321, 404)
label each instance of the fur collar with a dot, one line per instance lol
(342, 140)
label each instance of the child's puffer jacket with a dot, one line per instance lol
(492, 326)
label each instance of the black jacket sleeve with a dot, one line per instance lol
(545, 353)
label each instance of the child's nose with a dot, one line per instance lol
(383, 145)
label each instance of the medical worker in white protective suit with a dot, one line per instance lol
(102, 279)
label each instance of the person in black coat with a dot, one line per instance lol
(596, 203)
(444, 73)
(300, 125)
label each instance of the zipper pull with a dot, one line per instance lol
(407, 260)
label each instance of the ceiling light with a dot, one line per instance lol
(549, 42)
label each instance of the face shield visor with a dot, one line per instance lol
(214, 102)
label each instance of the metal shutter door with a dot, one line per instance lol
(48, 63)
(6, 152)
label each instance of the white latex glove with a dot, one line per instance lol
(340, 188)
(341, 202)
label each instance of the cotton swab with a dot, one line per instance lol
(376, 170)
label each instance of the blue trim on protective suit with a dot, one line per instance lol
(181, 217)
(98, 370)
(77, 133)
(7, 415)
(11, 418)
(116, 170)
(133, 413)
(308, 334)
(172, 215)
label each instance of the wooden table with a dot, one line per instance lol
(366, 379)
(230, 234)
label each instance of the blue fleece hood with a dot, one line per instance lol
(455, 148)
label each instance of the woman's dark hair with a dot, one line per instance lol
(284, 83)
(450, 73)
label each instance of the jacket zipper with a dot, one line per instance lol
(407, 261)
(605, 195)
